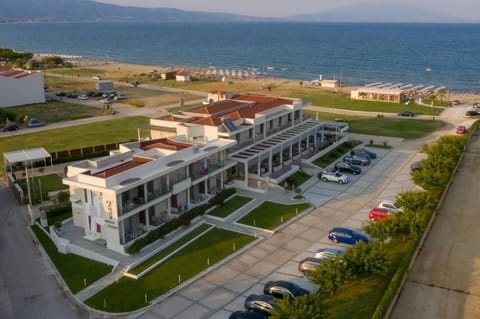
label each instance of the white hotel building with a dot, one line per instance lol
(20, 87)
(235, 140)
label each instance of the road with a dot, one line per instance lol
(28, 287)
(444, 282)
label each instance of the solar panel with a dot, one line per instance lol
(230, 126)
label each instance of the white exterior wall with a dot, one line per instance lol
(20, 91)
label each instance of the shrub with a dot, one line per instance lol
(59, 210)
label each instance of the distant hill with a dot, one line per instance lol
(85, 10)
(377, 12)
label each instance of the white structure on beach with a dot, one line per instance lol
(20, 87)
(381, 94)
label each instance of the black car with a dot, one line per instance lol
(346, 167)
(356, 160)
(406, 113)
(60, 94)
(363, 152)
(261, 303)
(247, 315)
(10, 127)
(472, 113)
(282, 289)
(72, 95)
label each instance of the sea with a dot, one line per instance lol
(356, 53)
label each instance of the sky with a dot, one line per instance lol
(467, 9)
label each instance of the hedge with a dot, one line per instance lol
(183, 220)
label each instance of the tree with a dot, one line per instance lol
(409, 223)
(379, 229)
(52, 61)
(307, 306)
(417, 201)
(366, 260)
(330, 275)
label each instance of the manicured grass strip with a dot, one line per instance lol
(296, 179)
(335, 154)
(73, 269)
(45, 183)
(343, 101)
(129, 294)
(360, 299)
(230, 206)
(269, 215)
(164, 252)
(58, 218)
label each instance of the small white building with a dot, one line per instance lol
(378, 94)
(20, 87)
(183, 77)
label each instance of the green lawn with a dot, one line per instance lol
(343, 101)
(73, 269)
(296, 179)
(103, 132)
(129, 294)
(230, 206)
(76, 71)
(335, 154)
(47, 183)
(52, 112)
(270, 215)
(164, 252)
(359, 300)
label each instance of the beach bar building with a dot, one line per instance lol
(380, 94)
(20, 87)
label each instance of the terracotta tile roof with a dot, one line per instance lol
(217, 107)
(164, 143)
(122, 167)
(14, 73)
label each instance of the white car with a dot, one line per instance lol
(82, 97)
(96, 77)
(390, 205)
(120, 97)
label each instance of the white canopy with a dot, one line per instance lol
(33, 154)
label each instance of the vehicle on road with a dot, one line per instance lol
(282, 289)
(333, 176)
(120, 97)
(406, 114)
(461, 129)
(346, 236)
(260, 303)
(363, 152)
(33, 122)
(346, 167)
(83, 97)
(10, 127)
(389, 205)
(329, 252)
(247, 315)
(357, 160)
(378, 213)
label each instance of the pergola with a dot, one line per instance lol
(27, 157)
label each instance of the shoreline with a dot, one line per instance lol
(121, 69)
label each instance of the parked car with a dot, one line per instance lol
(406, 114)
(378, 213)
(282, 289)
(96, 77)
(346, 167)
(309, 264)
(247, 315)
(10, 127)
(476, 105)
(72, 95)
(33, 122)
(97, 94)
(389, 205)
(415, 167)
(363, 152)
(120, 97)
(356, 160)
(346, 236)
(261, 303)
(82, 97)
(461, 129)
(329, 252)
(472, 113)
(60, 94)
(333, 176)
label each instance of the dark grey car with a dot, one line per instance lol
(260, 303)
(363, 152)
(357, 160)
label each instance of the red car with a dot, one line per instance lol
(461, 129)
(378, 213)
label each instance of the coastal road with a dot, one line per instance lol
(28, 287)
(444, 282)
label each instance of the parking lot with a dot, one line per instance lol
(224, 290)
